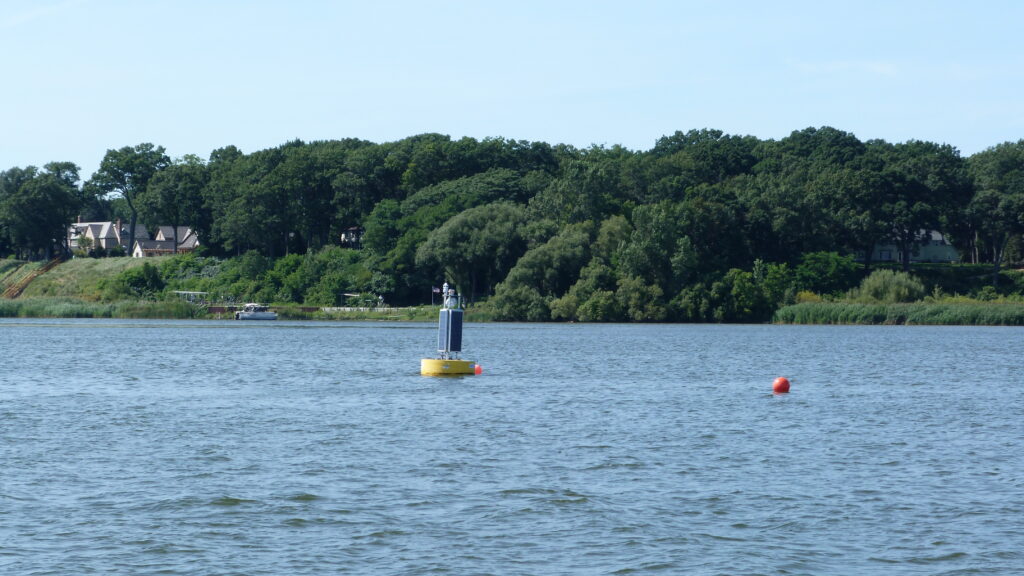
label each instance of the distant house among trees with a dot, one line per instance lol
(932, 247)
(104, 236)
(352, 237)
(164, 242)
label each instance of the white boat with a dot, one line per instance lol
(253, 311)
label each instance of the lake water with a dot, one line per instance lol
(177, 447)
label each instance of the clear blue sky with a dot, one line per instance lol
(83, 76)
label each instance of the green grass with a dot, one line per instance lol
(8, 266)
(13, 271)
(80, 278)
(918, 313)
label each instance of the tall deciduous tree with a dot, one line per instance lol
(997, 209)
(477, 247)
(928, 182)
(37, 206)
(174, 196)
(127, 172)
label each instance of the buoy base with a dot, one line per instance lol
(439, 367)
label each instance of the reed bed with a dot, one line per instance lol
(918, 313)
(72, 308)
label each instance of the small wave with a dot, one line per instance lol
(304, 497)
(384, 534)
(230, 501)
(613, 465)
(522, 491)
(936, 559)
(722, 538)
(649, 567)
(582, 500)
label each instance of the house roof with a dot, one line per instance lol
(101, 230)
(96, 230)
(155, 245)
(167, 232)
(186, 236)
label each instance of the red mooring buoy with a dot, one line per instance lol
(478, 369)
(780, 386)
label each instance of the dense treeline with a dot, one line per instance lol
(704, 226)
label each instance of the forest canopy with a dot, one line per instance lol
(703, 226)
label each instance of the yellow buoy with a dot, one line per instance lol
(441, 367)
(449, 340)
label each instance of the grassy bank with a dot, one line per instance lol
(919, 313)
(13, 271)
(81, 278)
(74, 308)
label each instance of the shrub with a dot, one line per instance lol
(520, 303)
(889, 287)
(142, 281)
(807, 296)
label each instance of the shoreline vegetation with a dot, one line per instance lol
(807, 313)
(132, 288)
(917, 313)
(158, 288)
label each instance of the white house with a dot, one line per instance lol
(932, 247)
(105, 235)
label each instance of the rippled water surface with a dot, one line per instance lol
(146, 447)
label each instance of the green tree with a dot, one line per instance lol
(640, 301)
(653, 240)
(174, 196)
(381, 227)
(36, 207)
(591, 298)
(826, 273)
(928, 183)
(225, 176)
(997, 209)
(477, 247)
(543, 274)
(127, 172)
(590, 188)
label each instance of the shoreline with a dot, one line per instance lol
(998, 313)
